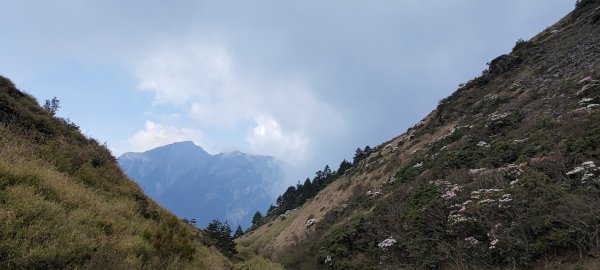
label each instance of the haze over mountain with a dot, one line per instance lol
(192, 183)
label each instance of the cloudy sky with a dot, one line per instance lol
(305, 81)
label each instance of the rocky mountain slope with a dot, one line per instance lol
(504, 173)
(65, 203)
(195, 184)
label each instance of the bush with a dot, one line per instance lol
(408, 172)
(522, 45)
(502, 64)
(503, 124)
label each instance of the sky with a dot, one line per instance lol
(305, 81)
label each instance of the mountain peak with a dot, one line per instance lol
(189, 143)
(183, 145)
(193, 183)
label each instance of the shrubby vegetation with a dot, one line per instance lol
(64, 202)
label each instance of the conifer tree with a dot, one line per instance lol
(256, 219)
(221, 234)
(238, 232)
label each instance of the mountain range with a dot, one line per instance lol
(503, 174)
(194, 184)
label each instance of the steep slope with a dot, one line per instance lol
(502, 174)
(195, 184)
(65, 204)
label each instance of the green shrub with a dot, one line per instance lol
(506, 123)
(423, 198)
(522, 45)
(408, 172)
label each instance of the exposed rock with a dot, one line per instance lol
(311, 222)
(286, 214)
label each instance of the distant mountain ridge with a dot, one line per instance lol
(192, 183)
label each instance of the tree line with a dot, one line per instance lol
(296, 196)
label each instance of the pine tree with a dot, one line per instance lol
(308, 190)
(256, 219)
(326, 171)
(238, 232)
(358, 156)
(345, 165)
(221, 234)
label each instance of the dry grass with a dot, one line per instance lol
(65, 204)
(48, 219)
(258, 263)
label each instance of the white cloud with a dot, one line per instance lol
(178, 75)
(281, 115)
(154, 135)
(268, 137)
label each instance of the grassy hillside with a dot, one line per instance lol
(64, 202)
(503, 174)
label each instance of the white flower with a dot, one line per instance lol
(576, 170)
(387, 243)
(486, 201)
(328, 260)
(493, 244)
(451, 193)
(472, 241)
(497, 116)
(474, 171)
(588, 164)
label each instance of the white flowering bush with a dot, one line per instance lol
(385, 244)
